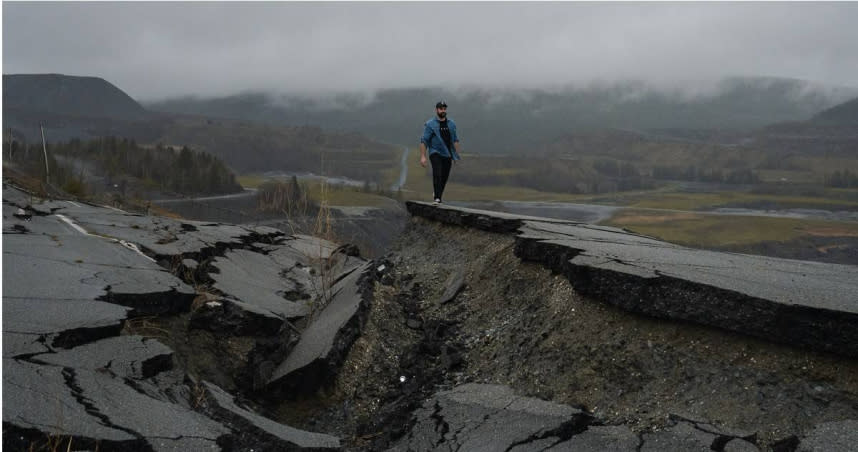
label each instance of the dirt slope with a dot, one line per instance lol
(517, 324)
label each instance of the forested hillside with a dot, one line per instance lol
(506, 120)
(82, 167)
(91, 97)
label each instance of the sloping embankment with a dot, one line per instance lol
(547, 335)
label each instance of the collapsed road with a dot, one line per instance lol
(477, 331)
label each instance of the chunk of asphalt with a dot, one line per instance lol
(165, 426)
(23, 344)
(56, 323)
(326, 340)
(454, 284)
(483, 417)
(754, 295)
(84, 267)
(310, 246)
(38, 402)
(837, 436)
(124, 356)
(254, 279)
(261, 433)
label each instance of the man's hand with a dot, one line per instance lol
(423, 161)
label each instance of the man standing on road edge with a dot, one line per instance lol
(439, 135)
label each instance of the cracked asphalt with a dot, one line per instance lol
(81, 281)
(478, 331)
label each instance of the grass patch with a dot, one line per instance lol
(804, 177)
(703, 201)
(251, 180)
(418, 186)
(345, 196)
(702, 230)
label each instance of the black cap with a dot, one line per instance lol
(441, 104)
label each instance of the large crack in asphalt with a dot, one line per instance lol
(69, 375)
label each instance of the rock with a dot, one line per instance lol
(253, 431)
(21, 214)
(451, 357)
(455, 283)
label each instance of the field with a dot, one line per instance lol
(676, 212)
(419, 186)
(704, 230)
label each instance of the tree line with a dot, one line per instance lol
(585, 176)
(119, 159)
(841, 179)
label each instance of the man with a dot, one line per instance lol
(439, 136)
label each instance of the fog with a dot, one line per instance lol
(159, 50)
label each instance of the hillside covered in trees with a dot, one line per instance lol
(80, 167)
(88, 108)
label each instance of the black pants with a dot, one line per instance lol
(440, 172)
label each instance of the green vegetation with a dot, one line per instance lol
(701, 230)
(512, 120)
(119, 161)
(704, 201)
(419, 185)
(349, 196)
(253, 147)
(251, 180)
(298, 198)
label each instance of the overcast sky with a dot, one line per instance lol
(157, 50)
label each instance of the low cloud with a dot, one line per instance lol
(158, 50)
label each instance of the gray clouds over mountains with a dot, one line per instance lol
(158, 50)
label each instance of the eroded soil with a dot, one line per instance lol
(520, 325)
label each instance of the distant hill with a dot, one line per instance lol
(845, 113)
(90, 107)
(72, 107)
(831, 132)
(519, 120)
(91, 97)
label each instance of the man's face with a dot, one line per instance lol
(441, 112)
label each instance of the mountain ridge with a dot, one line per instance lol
(515, 120)
(84, 96)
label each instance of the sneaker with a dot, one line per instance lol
(437, 201)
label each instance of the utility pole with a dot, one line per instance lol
(45, 150)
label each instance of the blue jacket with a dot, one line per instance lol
(433, 141)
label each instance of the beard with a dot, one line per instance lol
(442, 115)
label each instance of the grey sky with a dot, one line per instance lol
(156, 50)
